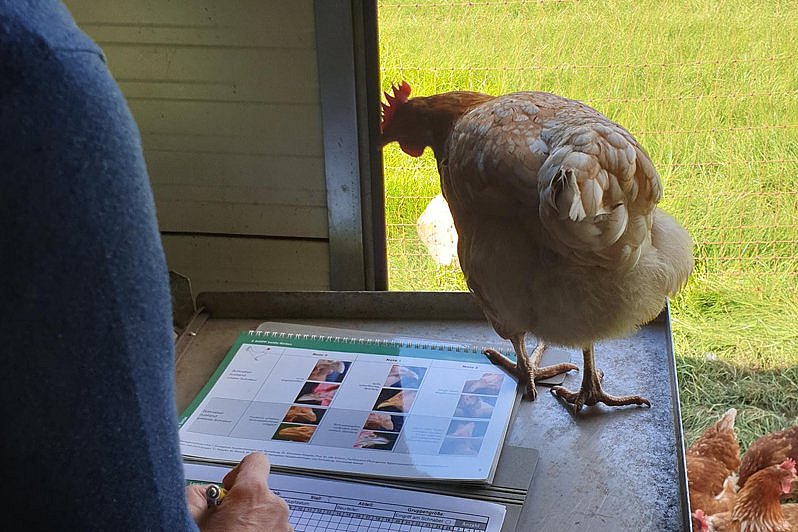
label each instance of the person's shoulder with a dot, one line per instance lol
(41, 27)
(44, 56)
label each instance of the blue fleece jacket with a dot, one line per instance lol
(88, 427)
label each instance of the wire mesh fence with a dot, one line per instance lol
(710, 89)
(712, 96)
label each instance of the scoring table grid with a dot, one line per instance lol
(309, 519)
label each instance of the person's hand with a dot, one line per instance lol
(249, 504)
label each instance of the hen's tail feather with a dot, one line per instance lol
(591, 212)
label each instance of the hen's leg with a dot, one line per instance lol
(527, 370)
(591, 392)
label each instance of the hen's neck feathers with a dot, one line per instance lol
(758, 506)
(438, 113)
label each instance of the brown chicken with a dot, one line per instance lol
(558, 230)
(728, 495)
(758, 507)
(711, 460)
(768, 450)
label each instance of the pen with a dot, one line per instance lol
(214, 495)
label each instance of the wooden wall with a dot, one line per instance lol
(226, 95)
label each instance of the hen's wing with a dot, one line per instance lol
(598, 190)
(710, 460)
(767, 450)
(722, 522)
(556, 163)
(791, 514)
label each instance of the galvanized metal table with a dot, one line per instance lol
(604, 469)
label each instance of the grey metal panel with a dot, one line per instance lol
(601, 470)
(367, 69)
(334, 44)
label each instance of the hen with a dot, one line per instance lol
(711, 462)
(758, 507)
(768, 450)
(558, 230)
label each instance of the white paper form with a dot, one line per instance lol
(333, 505)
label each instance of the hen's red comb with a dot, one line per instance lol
(400, 95)
(789, 465)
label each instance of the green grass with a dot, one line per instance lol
(710, 88)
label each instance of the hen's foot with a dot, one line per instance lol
(532, 372)
(591, 393)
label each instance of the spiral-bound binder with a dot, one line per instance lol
(552, 356)
(376, 338)
(368, 341)
(347, 338)
(368, 405)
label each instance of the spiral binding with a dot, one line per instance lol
(378, 342)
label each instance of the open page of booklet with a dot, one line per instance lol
(354, 403)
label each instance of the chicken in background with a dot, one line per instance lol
(768, 450)
(758, 507)
(712, 461)
(700, 519)
(558, 230)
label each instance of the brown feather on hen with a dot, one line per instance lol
(768, 450)
(559, 234)
(758, 507)
(711, 460)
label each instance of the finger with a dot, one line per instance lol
(253, 468)
(196, 500)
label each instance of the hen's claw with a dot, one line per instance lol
(594, 394)
(591, 392)
(529, 375)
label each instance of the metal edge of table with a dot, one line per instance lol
(348, 305)
(247, 309)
